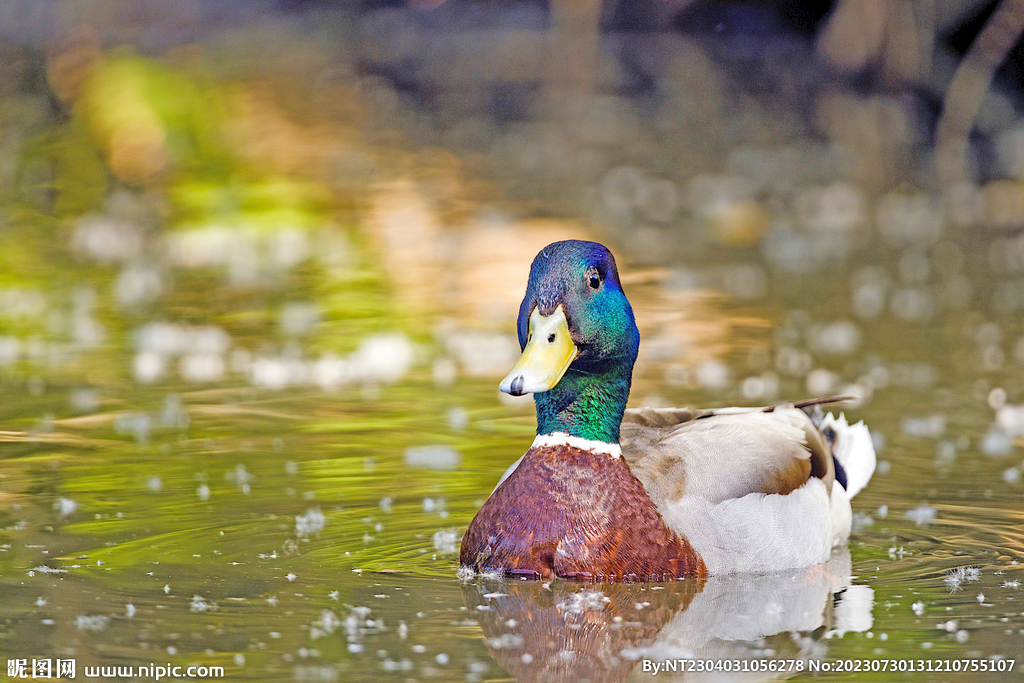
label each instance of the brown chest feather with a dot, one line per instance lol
(576, 514)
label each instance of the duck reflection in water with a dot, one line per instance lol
(567, 631)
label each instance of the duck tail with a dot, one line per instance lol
(852, 450)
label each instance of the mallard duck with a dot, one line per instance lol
(608, 494)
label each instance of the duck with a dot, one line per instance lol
(606, 494)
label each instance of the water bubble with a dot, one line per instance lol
(240, 476)
(458, 418)
(309, 523)
(792, 362)
(444, 371)
(992, 358)
(713, 374)
(83, 400)
(752, 388)
(945, 454)
(745, 281)
(137, 285)
(482, 354)
(287, 248)
(329, 372)
(201, 367)
(299, 318)
(199, 604)
(996, 444)
(105, 240)
(922, 515)
(383, 358)
(954, 579)
(584, 601)
(433, 504)
(507, 641)
(28, 304)
(870, 291)
(929, 427)
(1010, 419)
(276, 373)
(841, 337)
(909, 219)
(820, 382)
(92, 623)
(148, 367)
(10, 349)
(996, 398)
(432, 457)
(837, 208)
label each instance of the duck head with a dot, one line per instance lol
(579, 342)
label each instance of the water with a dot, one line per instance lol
(301, 534)
(249, 397)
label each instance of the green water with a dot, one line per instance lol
(234, 513)
(182, 543)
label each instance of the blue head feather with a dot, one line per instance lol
(582, 278)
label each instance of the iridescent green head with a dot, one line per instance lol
(579, 342)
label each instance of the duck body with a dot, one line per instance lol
(610, 494)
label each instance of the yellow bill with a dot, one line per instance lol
(548, 354)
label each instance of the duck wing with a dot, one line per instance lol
(751, 489)
(716, 455)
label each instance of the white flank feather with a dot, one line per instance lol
(854, 451)
(757, 533)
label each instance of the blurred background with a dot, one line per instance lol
(260, 264)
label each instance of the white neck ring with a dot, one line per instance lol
(563, 439)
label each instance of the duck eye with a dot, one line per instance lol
(595, 281)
